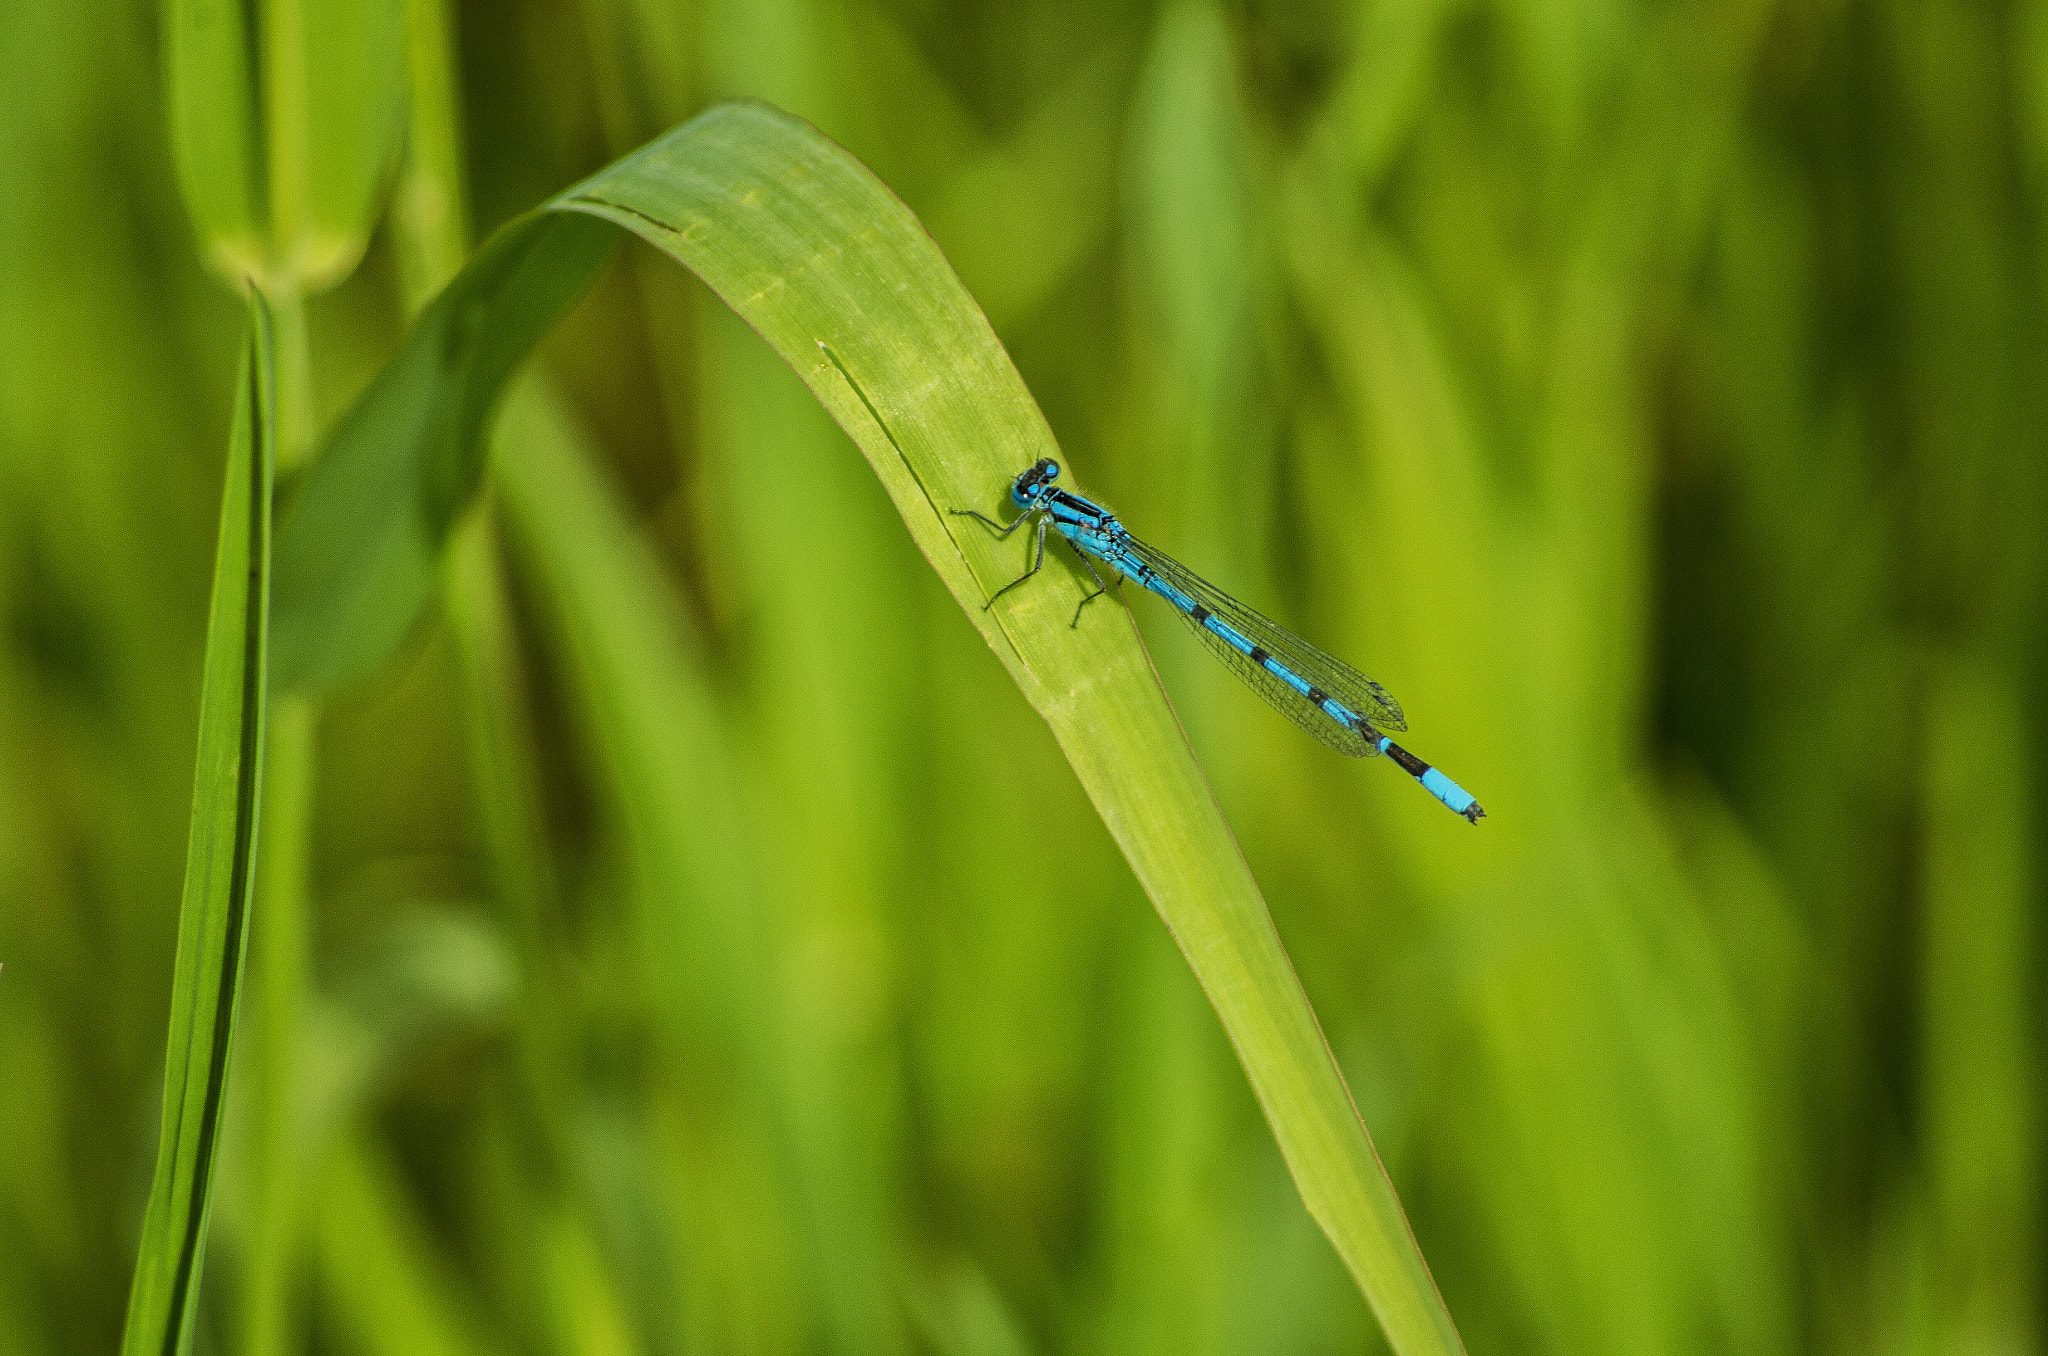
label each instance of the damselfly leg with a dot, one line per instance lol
(1038, 557)
(1100, 587)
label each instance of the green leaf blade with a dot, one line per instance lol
(216, 139)
(219, 875)
(336, 114)
(357, 550)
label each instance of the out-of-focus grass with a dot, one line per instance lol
(1646, 394)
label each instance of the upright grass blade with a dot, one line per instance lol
(1980, 1047)
(836, 274)
(219, 870)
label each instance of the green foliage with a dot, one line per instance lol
(358, 553)
(216, 135)
(220, 863)
(284, 118)
(695, 945)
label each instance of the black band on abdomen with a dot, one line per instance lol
(1410, 764)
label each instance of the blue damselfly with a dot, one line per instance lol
(1323, 695)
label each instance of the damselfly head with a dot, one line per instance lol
(1042, 473)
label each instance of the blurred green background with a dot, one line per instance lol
(1650, 394)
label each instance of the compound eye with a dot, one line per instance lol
(1051, 468)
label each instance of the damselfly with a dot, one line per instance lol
(1325, 696)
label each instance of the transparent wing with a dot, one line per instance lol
(1332, 675)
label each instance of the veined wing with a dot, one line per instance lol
(1356, 691)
